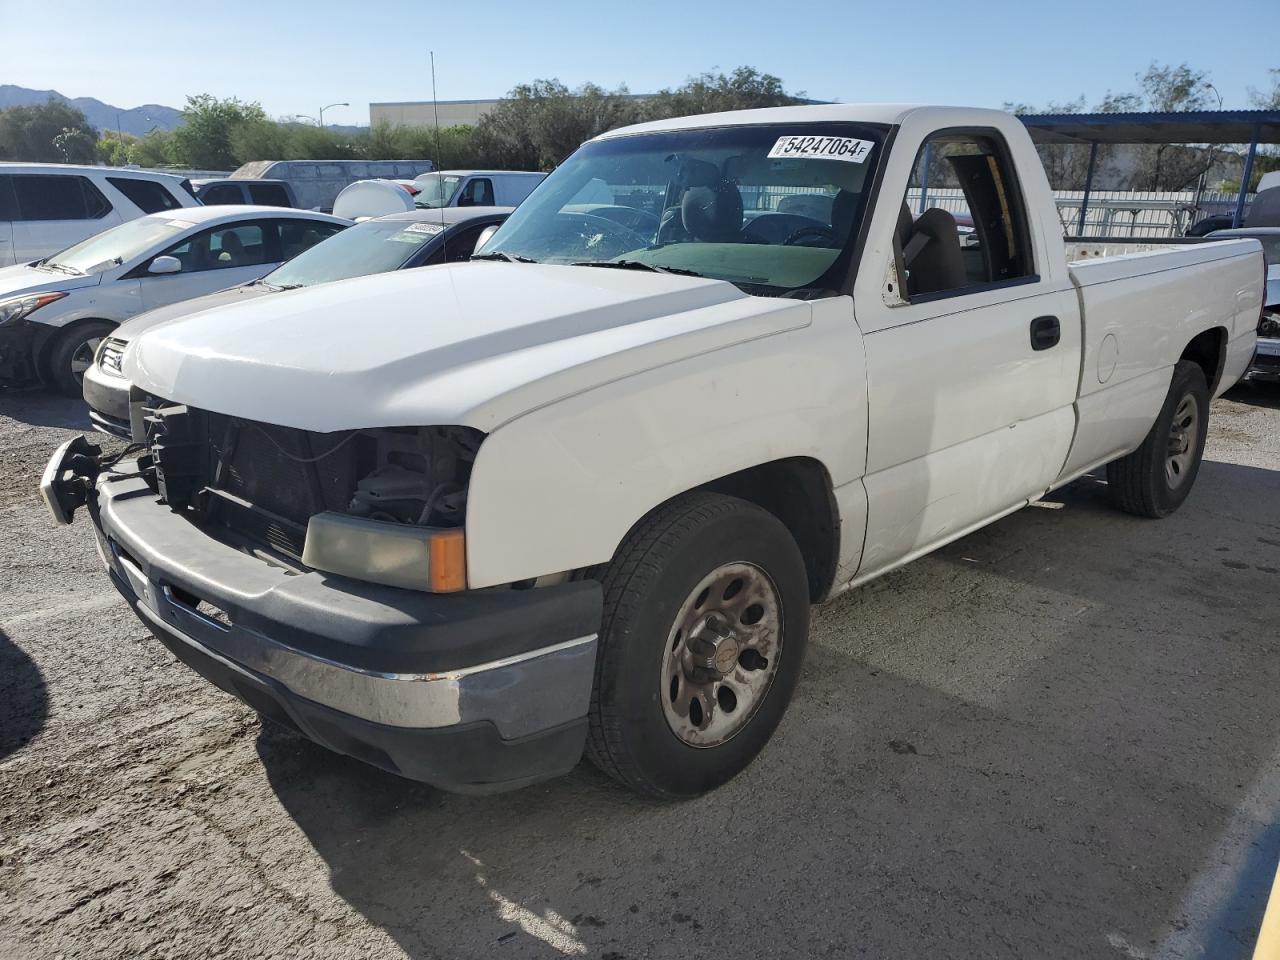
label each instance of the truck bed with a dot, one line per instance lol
(1141, 304)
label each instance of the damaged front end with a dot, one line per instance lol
(386, 505)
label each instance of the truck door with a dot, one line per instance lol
(972, 353)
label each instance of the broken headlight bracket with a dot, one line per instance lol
(69, 478)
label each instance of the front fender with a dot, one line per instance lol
(558, 488)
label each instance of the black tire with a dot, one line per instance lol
(70, 343)
(651, 577)
(1140, 483)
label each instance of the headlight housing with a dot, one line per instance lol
(17, 308)
(397, 554)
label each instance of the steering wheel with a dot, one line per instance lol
(822, 233)
(598, 237)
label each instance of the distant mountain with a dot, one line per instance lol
(138, 120)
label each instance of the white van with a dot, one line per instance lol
(475, 188)
(432, 191)
(47, 207)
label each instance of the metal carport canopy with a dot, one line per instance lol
(1191, 126)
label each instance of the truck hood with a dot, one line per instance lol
(136, 326)
(22, 279)
(472, 344)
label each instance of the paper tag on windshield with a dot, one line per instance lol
(416, 232)
(848, 149)
(181, 224)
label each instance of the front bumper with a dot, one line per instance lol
(108, 400)
(19, 343)
(479, 691)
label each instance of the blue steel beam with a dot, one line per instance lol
(1088, 185)
(1244, 180)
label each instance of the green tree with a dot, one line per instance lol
(116, 149)
(156, 149)
(743, 89)
(540, 123)
(208, 124)
(51, 132)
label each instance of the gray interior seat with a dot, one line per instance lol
(933, 256)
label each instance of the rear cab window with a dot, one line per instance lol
(269, 194)
(58, 197)
(221, 193)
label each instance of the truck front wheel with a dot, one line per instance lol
(1155, 479)
(705, 623)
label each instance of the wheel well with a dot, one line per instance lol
(44, 347)
(1208, 351)
(798, 492)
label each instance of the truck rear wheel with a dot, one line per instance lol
(706, 618)
(1155, 479)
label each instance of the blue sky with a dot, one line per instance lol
(294, 57)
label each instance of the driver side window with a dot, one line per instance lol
(962, 225)
(221, 248)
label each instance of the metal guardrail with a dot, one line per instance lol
(1113, 213)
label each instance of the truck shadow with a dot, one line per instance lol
(44, 408)
(1256, 394)
(1086, 771)
(24, 700)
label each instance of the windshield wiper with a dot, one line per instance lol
(60, 267)
(636, 265)
(503, 256)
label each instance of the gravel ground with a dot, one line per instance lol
(1054, 738)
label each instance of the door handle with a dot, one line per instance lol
(1045, 333)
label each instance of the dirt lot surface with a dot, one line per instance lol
(1055, 738)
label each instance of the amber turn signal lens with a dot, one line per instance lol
(448, 561)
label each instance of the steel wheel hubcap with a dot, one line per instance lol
(82, 359)
(1183, 433)
(721, 655)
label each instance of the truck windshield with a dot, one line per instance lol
(119, 244)
(437, 190)
(375, 246)
(767, 207)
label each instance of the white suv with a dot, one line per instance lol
(47, 207)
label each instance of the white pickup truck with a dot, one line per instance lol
(467, 521)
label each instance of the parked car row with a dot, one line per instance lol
(55, 310)
(401, 241)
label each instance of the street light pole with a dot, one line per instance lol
(327, 106)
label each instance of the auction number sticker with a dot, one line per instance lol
(848, 149)
(415, 232)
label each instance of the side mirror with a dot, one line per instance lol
(485, 234)
(165, 265)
